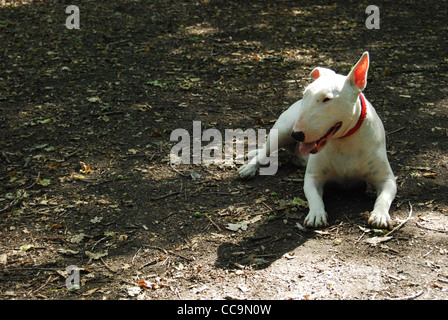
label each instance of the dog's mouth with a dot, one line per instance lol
(306, 148)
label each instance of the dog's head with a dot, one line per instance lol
(329, 106)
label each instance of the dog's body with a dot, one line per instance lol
(339, 137)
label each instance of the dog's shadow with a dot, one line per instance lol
(262, 248)
(274, 239)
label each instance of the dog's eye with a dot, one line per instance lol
(326, 99)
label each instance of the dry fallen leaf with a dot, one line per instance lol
(85, 169)
(237, 226)
(44, 182)
(94, 99)
(95, 256)
(376, 240)
(147, 285)
(151, 285)
(77, 238)
(133, 291)
(92, 291)
(27, 247)
(3, 258)
(67, 251)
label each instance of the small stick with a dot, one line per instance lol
(266, 205)
(431, 229)
(149, 263)
(156, 248)
(402, 224)
(107, 266)
(395, 131)
(35, 181)
(210, 219)
(175, 170)
(14, 202)
(107, 113)
(418, 294)
(165, 196)
(179, 255)
(42, 286)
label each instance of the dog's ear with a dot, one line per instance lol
(358, 75)
(318, 72)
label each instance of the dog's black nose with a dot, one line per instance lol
(298, 135)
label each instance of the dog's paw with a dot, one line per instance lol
(379, 220)
(316, 219)
(247, 171)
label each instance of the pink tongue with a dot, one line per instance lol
(305, 148)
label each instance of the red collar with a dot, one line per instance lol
(362, 116)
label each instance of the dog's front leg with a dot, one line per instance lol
(386, 190)
(283, 127)
(314, 190)
(259, 156)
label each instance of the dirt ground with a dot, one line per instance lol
(85, 177)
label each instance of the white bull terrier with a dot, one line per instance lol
(339, 137)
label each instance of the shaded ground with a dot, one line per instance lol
(86, 117)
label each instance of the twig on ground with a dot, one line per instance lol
(179, 255)
(166, 252)
(19, 196)
(403, 222)
(175, 170)
(42, 286)
(165, 196)
(213, 223)
(107, 266)
(418, 294)
(35, 181)
(431, 229)
(107, 113)
(395, 131)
